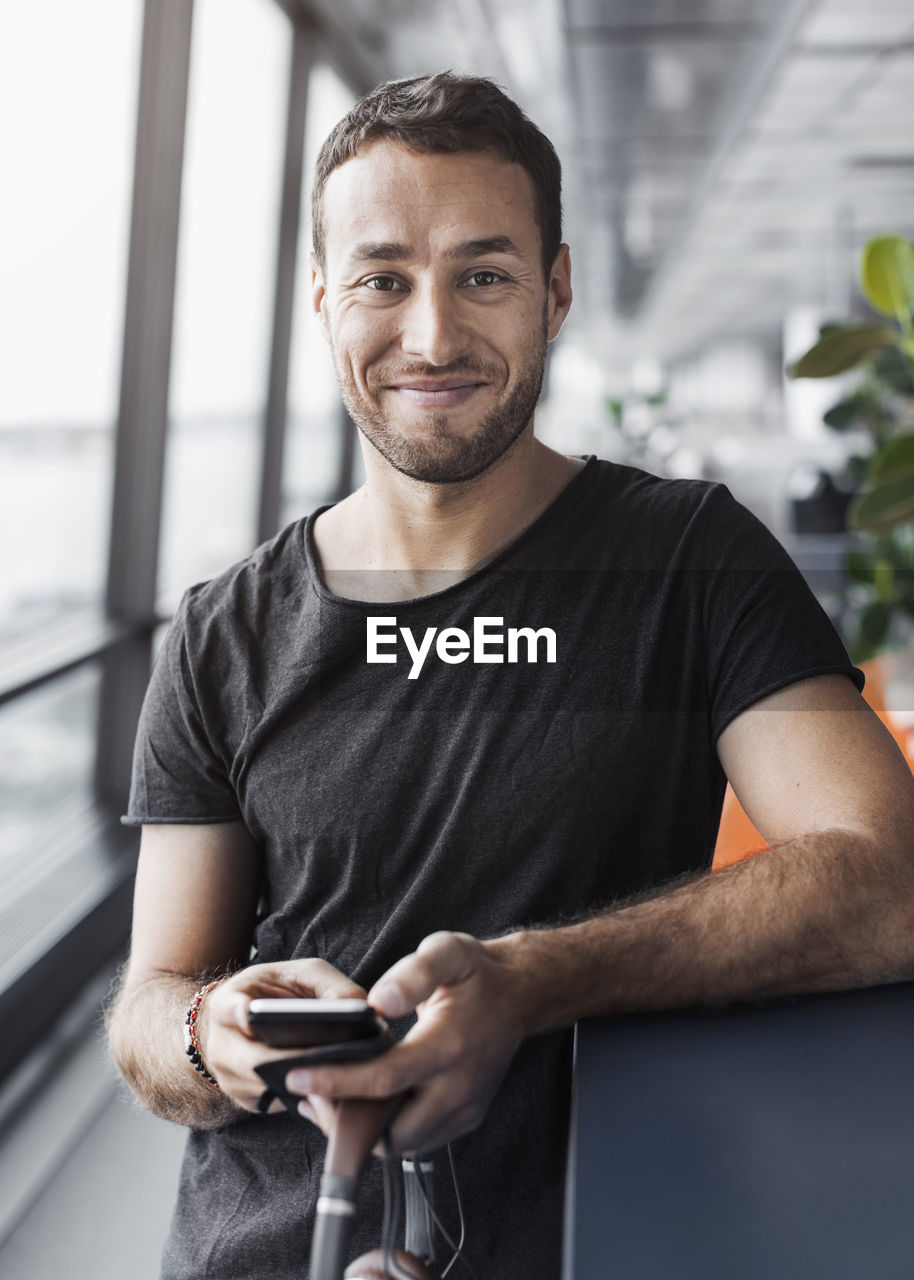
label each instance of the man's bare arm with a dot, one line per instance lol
(196, 895)
(194, 905)
(818, 913)
(831, 906)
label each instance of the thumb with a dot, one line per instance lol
(441, 959)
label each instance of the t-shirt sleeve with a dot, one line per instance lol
(764, 629)
(178, 774)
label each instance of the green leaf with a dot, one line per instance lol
(887, 276)
(889, 545)
(859, 567)
(874, 624)
(844, 414)
(893, 370)
(884, 505)
(884, 580)
(614, 407)
(894, 460)
(864, 407)
(841, 350)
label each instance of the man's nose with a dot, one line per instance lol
(432, 327)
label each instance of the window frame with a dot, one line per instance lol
(121, 636)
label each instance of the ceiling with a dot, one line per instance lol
(724, 159)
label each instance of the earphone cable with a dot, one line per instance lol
(463, 1225)
(449, 1239)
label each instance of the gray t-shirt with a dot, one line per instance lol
(478, 795)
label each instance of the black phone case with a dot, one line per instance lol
(280, 1034)
(273, 1074)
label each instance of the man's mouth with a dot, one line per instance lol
(426, 393)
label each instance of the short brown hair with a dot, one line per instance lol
(440, 113)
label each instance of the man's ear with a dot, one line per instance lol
(558, 302)
(319, 295)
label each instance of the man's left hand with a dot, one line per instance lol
(470, 1023)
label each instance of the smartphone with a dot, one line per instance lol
(320, 1031)
(297, 1023)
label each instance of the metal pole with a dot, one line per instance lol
(270, 508)
(143, 408)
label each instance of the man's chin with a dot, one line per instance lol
(441, 456)
(441, 465)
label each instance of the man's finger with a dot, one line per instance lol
(406, 1065)
(308, 977)
(311, 978)
(319, 1112)
(431, 1119)
(441, 959)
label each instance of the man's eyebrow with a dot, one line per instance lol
(487, 244)
(391, 251)
(381, 251)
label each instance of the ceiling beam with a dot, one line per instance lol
(360, 67)
(771, 55)
(664, 32)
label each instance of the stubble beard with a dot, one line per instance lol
(439, 455)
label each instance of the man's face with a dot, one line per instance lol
(434, 302)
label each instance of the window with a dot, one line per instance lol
(68, 88)
(47, 754)
(226, 271)
(73, 671)
(47, 750)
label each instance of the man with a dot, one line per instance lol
(461, 740)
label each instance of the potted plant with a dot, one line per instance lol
(882, 402)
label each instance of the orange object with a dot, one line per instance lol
(737, 838)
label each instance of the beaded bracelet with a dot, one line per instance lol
(191, 1043)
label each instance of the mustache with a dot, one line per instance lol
(466, 367)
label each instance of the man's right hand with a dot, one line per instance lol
(229, 1047)
(195, 909)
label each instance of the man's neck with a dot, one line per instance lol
(397, 538)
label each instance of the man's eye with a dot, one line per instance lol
(482, 278)
(382, 284)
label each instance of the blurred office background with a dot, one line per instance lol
(166, 401)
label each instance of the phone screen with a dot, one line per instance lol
(302, 1023)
